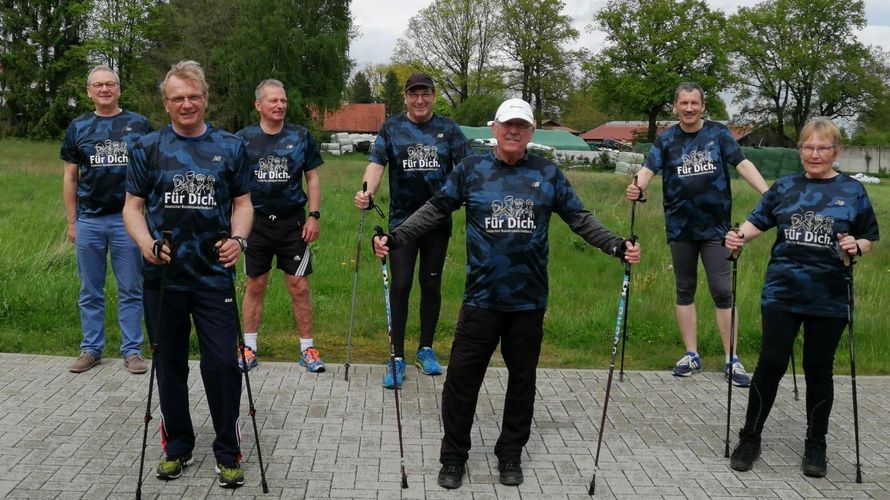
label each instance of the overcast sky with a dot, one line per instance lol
(381, 22)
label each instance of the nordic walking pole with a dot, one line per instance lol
(734, 257)
(622, 310)
(633, 236)
(223, 236)
(358, 256)
(848, 262)
(794, 374)
(392, 360)
(167, 237)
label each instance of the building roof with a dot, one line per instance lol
(557, 139)
(357, 118)
(631, 130)
(551, 124)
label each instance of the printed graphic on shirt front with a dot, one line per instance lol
(811, 229)
(421, 157)
(697, 163)
(272, 169)
(511, 215)
(110, 154)
(191, 191)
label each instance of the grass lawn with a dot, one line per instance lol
(39, 283)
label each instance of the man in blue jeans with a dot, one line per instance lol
(96, 155)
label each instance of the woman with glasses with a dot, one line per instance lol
(823, 221)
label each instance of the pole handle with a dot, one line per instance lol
(642, 198)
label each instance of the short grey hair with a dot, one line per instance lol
(268, 82)
(689, 87)
(102, 67)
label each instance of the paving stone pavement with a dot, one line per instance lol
(64, 435)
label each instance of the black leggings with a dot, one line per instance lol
(820, 340)
(432, 247)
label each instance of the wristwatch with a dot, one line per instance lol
(316, 214)
(242, 242)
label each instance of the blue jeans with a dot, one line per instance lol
(96, 236)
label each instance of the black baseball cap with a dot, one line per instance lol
(419, 80)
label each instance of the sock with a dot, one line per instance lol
(250, 341)
(305, 344)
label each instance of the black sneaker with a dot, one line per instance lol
(744, 455)
(511, 472)
(451, 476)
(814, 464)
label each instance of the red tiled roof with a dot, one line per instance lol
(356, 118)
(632, 130)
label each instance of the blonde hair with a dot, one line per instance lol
(185, 70)
(822, 126)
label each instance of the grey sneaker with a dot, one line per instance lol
(83, 363)
(135, 364)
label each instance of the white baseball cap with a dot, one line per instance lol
(513, 109)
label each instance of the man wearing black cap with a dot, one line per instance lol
(421, 149)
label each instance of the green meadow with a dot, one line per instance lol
(39, 282)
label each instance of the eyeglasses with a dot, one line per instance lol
(99, 85)
(819, 150)
(419, 95)
(180, 100)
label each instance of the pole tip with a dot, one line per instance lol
(265, 486)
(404, 481)
(858, 476)
(591, 490)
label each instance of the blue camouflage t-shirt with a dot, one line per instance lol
(278, 163)
(188, 184)
(100, 147)
(695, 169)
(420, 156)
(806, 274)
(508, 215)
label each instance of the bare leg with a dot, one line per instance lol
(687, 322)
(252, 305)
(298, 286)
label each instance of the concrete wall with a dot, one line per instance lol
(853, 159)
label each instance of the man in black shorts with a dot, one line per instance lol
(280, 155)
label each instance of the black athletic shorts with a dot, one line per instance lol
(279, 237)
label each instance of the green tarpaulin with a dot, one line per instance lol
(557, 139)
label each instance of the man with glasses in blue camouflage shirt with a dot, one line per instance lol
(96, 153)
(510, 196)
(280, 154)
(421, 149)
(194, 181)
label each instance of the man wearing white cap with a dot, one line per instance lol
(510, 196)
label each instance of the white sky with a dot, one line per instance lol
(381, 22)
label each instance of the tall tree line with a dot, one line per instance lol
(48, 46)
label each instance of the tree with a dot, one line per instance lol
(801, 58)
(392, 94)
(303, 43)
(477, 110)
(582, 111)
(534, 43)
(42, 67)
(452, 41)
(651, 47)
(359, 90)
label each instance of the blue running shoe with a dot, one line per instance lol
(250, 355)
(311, 360)
(427, 362)
(689, 364)
(740, 377)
(400, 373)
